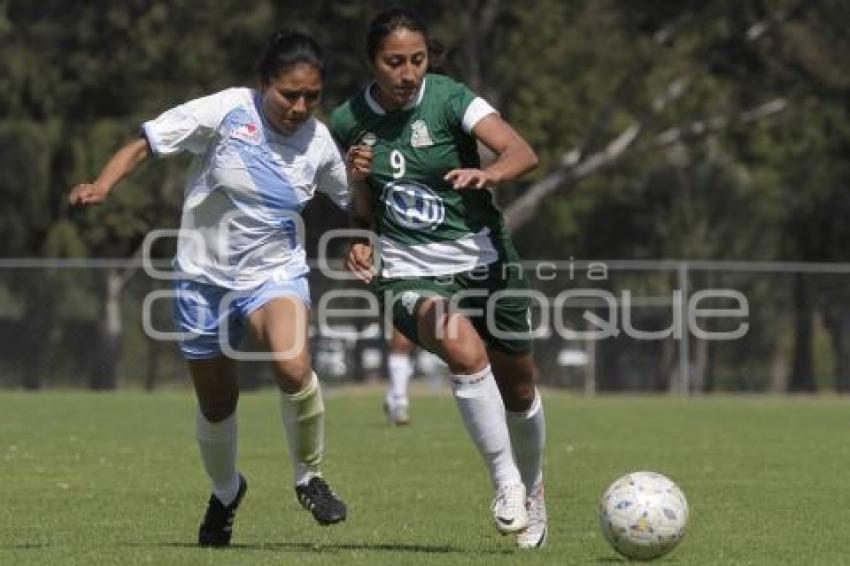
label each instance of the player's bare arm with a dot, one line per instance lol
(514, 156)
(358, 260)
(122, 163)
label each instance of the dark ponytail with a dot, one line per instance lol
(285, 50)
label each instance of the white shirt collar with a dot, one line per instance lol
(378, 109)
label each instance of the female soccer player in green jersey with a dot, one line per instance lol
(447, 271)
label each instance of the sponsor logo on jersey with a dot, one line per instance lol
(419, 136)
(413, 205)
(247, 132)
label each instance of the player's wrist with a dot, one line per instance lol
(102, 187)
(492, 178)
(358, 176)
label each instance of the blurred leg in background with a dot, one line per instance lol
(400, 368)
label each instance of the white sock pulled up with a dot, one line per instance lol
(528, 438)
(483, 412)
(218, 446)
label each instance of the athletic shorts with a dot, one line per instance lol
(208, 315)
(501, 320)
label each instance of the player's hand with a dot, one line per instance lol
(469, 179)
(87, 193)
(358, 160)
(358, 261)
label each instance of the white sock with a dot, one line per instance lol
(303, 416)
(528, 437)
(400, 369)
(483, 413)
(217, 442)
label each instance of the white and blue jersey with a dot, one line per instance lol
(246, 188)
(240, 244)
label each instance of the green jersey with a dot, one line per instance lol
(425, 226)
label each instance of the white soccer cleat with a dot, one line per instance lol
(509, 510)
(535, 535)
(398, 415)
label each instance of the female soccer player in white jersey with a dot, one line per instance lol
(259, 156)
(411, 141)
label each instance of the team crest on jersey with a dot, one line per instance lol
(413, 205)
(419, 136)
(247, 132)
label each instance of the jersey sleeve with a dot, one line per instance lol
(190, 126)
(331, 177)
(341, 126)
(467, 109)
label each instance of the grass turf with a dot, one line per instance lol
(116, 479)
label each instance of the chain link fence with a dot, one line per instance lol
(685, 327)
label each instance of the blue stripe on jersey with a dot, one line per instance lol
(273, 185)
(266, 169)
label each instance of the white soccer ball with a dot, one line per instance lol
(643, 515)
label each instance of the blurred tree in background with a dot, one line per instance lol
(693, 129)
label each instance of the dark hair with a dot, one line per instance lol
(394, 19)
(285, 50)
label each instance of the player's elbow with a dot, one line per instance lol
(533, 160)
(530, 158)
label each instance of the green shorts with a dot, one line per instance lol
(502, 320)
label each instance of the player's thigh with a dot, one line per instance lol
(422, 310)
(281, 326)
(402, 299)
(452, 336)
(278, 318)
(503, 322)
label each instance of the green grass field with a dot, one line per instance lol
(116, 479)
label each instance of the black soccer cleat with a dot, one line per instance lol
(217, 527)
(318, 498)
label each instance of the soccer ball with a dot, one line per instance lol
(643, 515)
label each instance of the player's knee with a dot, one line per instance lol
(517, 377)
(218, 409)
(518, 397)
(461, 346)
(292, 375)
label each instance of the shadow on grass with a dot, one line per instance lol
(336, 547)
(621, 560)
(25, 546)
